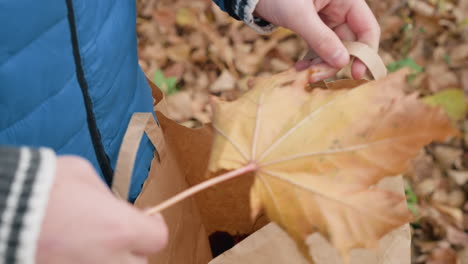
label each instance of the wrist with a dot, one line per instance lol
(247, 11)
(25, 203)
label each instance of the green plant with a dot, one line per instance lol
(406, 62)
(411, 200)
(167, 84)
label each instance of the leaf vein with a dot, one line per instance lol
(340, 150)
(300, 123)
(310, 189)
(236, 146)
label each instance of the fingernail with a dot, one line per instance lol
(340, 58)
(317, 60)
(302, 65)
(321, 72)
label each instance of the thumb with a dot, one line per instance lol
(130, 258)
(320, 38)
(151, 233)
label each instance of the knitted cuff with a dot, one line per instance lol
(26, 177)
(243, 10)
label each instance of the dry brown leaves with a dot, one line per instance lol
(210, 54)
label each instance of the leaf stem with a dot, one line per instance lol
(200, 187)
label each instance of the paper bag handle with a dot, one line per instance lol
(366, 54)
(139, 123)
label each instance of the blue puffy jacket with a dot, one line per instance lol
(70, 79)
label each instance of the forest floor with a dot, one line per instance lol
(192, 51)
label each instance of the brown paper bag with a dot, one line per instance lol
(188, 240)
(271, 245)
(224, 207)
(181, 161)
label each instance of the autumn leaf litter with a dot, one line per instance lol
(202, 52)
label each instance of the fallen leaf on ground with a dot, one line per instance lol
(448, 156)
(185, 17)
(439, 77)
(453, 215)
(176, 104)
(318, 154)
(456, 236)
(443, 256)
(224, 82)
(459, 177)
(451, 100)
(459, 54)
(464, 80)
(463, 255)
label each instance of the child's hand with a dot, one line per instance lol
(324, 23)
(85, 223)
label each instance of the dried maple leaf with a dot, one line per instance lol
(317, 155)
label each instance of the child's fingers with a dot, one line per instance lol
(306, 63)
(358, 69)
(320, 37)
(344, 32)
(363, 24)
(320, 72)
(148, 235)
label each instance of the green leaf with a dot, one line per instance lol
(464, 22)
(447, 59)
(407, 27)
(171, 83)
(411, 200)
(159, 79)
(452, 101)
(405, 62)
(185, 17)
(167, 84)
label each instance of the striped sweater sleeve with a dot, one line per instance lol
(26, 177)
(244, 10)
